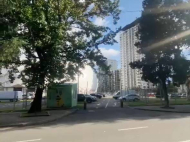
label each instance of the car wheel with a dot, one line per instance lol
(89, 101)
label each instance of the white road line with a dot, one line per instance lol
(30, 140)
(136, 128)
(185, 141)
(107, 104)
(115, 104)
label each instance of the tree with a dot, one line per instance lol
(160, 35)
(55, 39)
(172, 89)
(188, 88)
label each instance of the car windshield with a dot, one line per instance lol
(94, 70)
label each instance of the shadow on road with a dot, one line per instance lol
(109, 115)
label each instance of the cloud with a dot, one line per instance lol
(101, 22)
(110, 53)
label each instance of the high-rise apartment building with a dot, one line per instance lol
(111, 82)
(117, 79)
(112, 64)
(130, 78)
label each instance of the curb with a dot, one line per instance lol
(161, 110)
(39, 122)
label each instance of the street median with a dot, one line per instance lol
(172, 109)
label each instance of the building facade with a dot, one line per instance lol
(109, 83)
(130, 78)
(113, 64)
(7, 85)
(117, 78)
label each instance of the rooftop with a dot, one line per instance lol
(131, 25)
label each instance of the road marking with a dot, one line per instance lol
(30, 140)
(127, 129)
(107, 104)
(98, 104)
(185, 141)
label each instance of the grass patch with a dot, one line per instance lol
(20, 101)
(9, 111)
(157, 102)
(42, 113)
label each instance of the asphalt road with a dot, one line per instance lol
(105, 121)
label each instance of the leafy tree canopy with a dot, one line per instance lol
(161, 40)
(54, 37)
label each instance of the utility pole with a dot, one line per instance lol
(78, 83)
(87, 87)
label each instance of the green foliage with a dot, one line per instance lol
(161, 38)
(55, 37)
(159, 42)
(172, 89)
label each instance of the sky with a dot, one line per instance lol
(130, 11)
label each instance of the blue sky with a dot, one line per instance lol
(126, 17)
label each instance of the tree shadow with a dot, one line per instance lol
(105, 116)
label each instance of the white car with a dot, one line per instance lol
(131, 97)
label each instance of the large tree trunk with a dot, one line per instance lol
(165, 92)
(36, 105)
(188, 89)
(188, 94)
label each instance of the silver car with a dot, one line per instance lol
(131, 97)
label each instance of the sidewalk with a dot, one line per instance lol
(177, 108)
(14, 119)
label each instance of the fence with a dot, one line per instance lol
(19, 105)
(148, 98)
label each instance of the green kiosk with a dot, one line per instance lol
(62, 95)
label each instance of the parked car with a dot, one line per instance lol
(94, 99)
(183, 95)
(96, 95)
(82, 97)
(103, 95)
(151, 95)
(117, 95)
(175, 96)
(131, 97)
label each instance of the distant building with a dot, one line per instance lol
(113, 64)
(117, 82)
(109, 83)
(106, 83)
(87, 82)
(130, 78)
(6, 85)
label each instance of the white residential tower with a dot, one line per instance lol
(130, 78)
